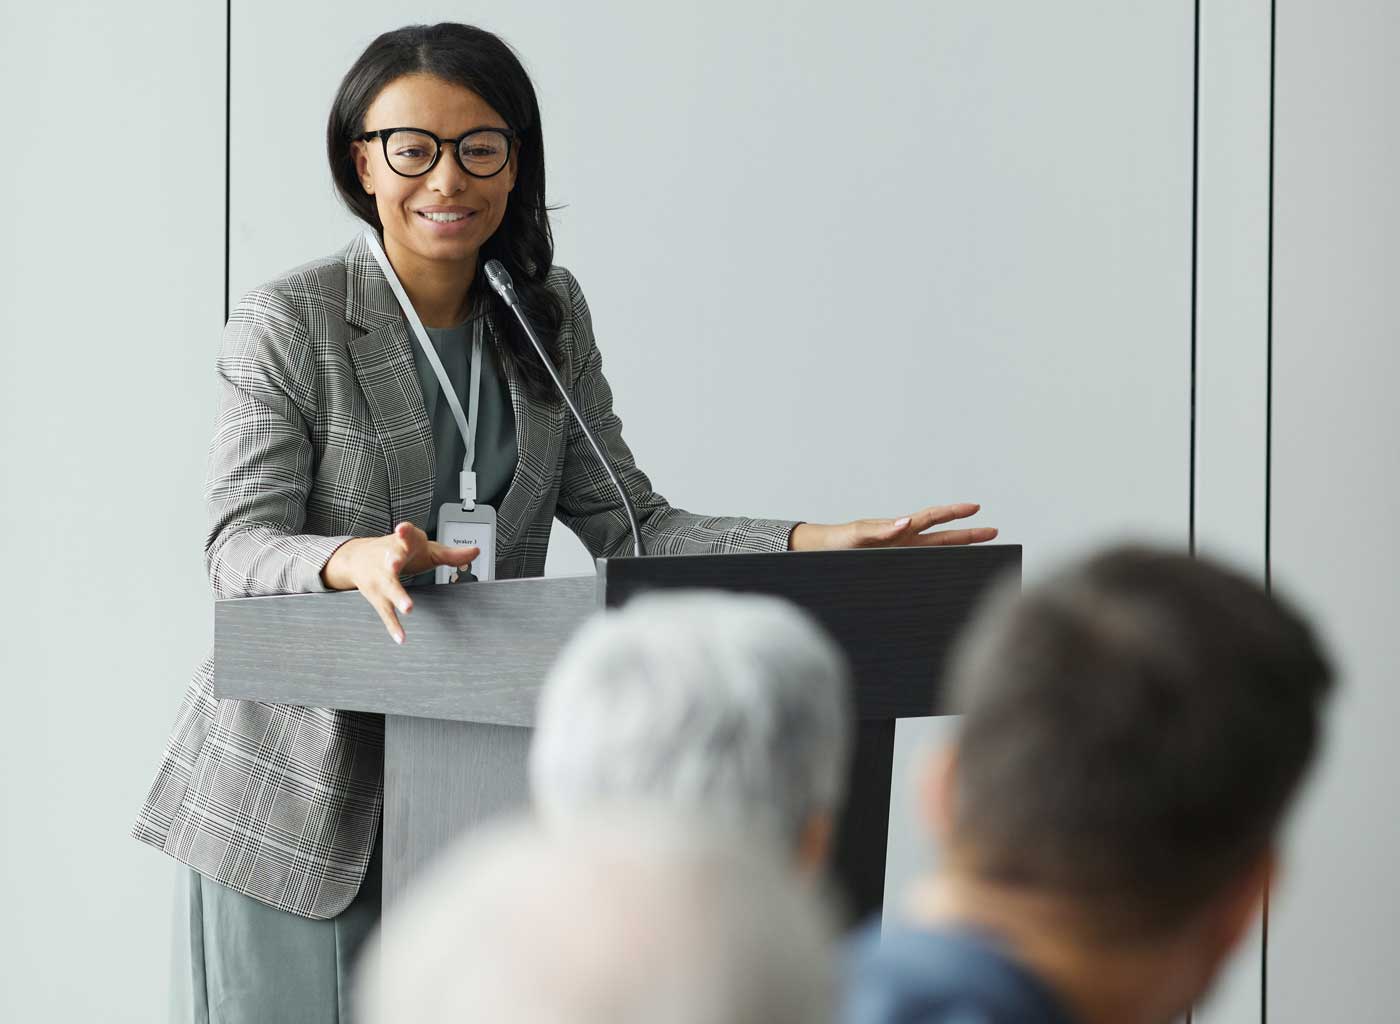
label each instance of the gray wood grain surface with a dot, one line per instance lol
(440, 780)
(478, 652)
(474, 652)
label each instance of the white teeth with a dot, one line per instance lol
(443, 218)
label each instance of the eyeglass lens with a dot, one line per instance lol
(482, 153)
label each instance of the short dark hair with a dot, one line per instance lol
(482, 62)
(1135, 728)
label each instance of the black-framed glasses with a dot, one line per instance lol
(413, 152)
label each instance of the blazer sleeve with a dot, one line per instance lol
(261, 460)
(588, 504)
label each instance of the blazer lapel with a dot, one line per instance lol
(539, 434)
(383, 359)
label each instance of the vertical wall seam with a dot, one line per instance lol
(1195, 239)
(1195, 264)
(1269, 322)
(228, 136)
(1269, 443)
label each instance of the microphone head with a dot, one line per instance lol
(499, 279)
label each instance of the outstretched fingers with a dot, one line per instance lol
(387, 595)
(976, 535)
(444, 554)
(385, 610)
(400, 548)
(936, 514)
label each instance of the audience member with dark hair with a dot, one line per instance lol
(1135, 729)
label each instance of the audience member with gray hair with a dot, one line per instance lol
(1134, 731)
(733, 707)
(620, 921)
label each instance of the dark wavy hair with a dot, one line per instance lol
(482, 62)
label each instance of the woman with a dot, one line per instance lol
(338, 439)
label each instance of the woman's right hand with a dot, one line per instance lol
(372, 565)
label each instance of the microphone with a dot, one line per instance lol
(499, 279)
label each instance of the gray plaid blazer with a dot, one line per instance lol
(322, 436)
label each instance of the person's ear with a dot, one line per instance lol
(359, 152)
(814, 844)
(1222, 925)
(937, 787)
(1243, 901)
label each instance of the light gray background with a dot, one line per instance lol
(1332, 944)
(993, 304)
(110, 309)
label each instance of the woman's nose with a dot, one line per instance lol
(447, 178)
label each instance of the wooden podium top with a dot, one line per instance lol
(479, 652)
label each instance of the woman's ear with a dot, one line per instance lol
(359, 152)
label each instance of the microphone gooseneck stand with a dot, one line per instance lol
(500, 280)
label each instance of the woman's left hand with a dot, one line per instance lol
(905, 532)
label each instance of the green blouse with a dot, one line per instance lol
(496, 451)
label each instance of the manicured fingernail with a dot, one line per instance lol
(403, 607)
(900, 524)
(398, 638)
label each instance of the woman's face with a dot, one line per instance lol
(465, 210)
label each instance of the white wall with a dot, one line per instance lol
(1336, 443)
(111, 302)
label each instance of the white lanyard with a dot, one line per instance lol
(466, 425)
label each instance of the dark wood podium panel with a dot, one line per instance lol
(862, 837)
(895, 611)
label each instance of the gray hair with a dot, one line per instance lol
(621, 921)
(737, 706)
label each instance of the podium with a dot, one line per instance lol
(458, 697)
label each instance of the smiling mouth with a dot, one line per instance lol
(443, 218)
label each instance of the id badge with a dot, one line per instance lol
(461, 527)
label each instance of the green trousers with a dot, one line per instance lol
(239, 961)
